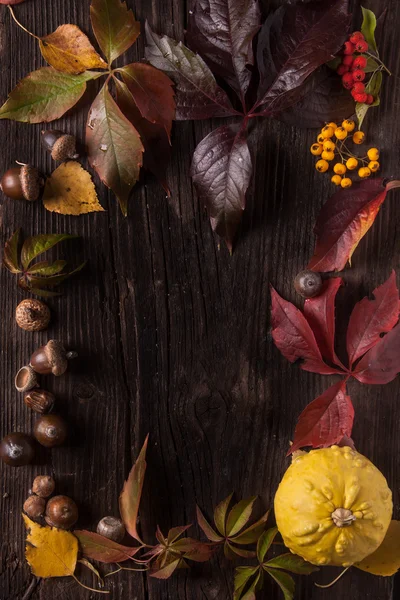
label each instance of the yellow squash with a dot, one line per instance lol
(333, 506)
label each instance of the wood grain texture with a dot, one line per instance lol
(173, 333)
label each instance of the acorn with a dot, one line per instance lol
(26, 379)
(61, 512)
(62, 146)
(41, 401)
(43, 486)
(50, 430)
(308, 284)
(32, 315)
(17, 449)
(23, 182)
(34, 506)
(111, 528)
(51, 358)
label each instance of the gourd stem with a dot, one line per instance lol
(328, 585)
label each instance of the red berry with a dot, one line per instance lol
(356, 36)
(348, 81)
(354, 94)
(359, 63)
(359, 87)
(359, 75)
(362, 98)
(348, 60)
(370, 99)
(342, 69)
(348, 48)
(361, 46)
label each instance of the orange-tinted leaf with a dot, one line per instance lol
(220, 514)
(166, 571)
(385, 560)
(114, 26)
(10, 254)
(129, 499)
(252, 533)
(115, 150)
(239, 515)
(194, 550)
(206, 527)
(69, 50)
(153, 93)
(98, 547)
(160, 537)
(176, 532)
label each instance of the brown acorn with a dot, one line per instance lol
(61, 512)
(41, 401)
(23, 182)
(34, 506)
(26, 379)
(308, 284)
(32, 315)
(17, 449)
(111, 528)
(51, 358)
(62, 146)
(50, 430)
(43, 486)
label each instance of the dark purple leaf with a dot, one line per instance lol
(221, 171)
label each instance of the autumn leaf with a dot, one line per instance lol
(129, 500)
(220, 513)
(206, 527)
(243, 576)
(10, 254)
(284, 580)
(98, 547)
(385, 561)
(168, 570)
(114, 26)
(114, 147)
(221, 171)
(252, 533)
(45, 95)
(381, 364)
(344, 220)
(152, 92)
(239, 515)
(291, 562)
(264, 543)
(69, 50)
(70, 191)
(368, 28)
(36, 245)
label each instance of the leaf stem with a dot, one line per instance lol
(378, 60)
(21, 26)
(328, 585)
(123, 569)
(89, 588)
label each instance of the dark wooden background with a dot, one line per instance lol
(173, 333)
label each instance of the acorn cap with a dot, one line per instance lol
(32, 315)
(26, 379)
(64, 147)
(56, 356)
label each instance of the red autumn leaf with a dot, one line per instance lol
(344, 220)
(320, 313)
(294, 337)
(129, 499)
(381, 364)
(192, 549)
(371, 318)
(153, 93)
(98, 547)
(325, 420)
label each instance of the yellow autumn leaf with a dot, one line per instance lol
(69, 50)
(50, 552)
(70, 191)
(386, 559)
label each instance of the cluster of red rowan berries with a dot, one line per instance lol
(352, 68)
(331, 146)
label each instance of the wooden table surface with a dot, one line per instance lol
(173, 333)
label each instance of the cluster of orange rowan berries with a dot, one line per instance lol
(331, 146)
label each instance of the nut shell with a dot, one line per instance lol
(43, 486)
(17, 449)
(51, 358)
(30, 182)
(61, 512)
(32, 315)
(111, 528)
(26, 379)
(34, 506)
(41, 401)
(50, 430)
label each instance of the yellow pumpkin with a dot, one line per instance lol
(333, 506)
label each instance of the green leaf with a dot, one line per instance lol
(220, 514)
(114, 26)
(291, 562)
(37, 244)
(242, 576)
(264, 543)
(45, 95)
(372, 65)
(176, 532)
(373, 87)
(10, 254)
(239, 515)
(45, 268)
(252, 533)
(285, 582)
(43, 293)
(368, 27)
(250, 594)
(129, 499)
(334, 63)
(53, 280)
(241, 551)
(206, 527)
(166, 571)
(115, 150)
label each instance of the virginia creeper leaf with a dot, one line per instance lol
(69, 50)
(206, 527)
(166, 571)
(115, 150)
(292, 563)
(242, 576)
(325, 420)
(220, 514)
(294, 337)
(285, 582)
(381, 364)
(198, 96)
(53, 280)
(37, 244)
(129, 499)
(152, 92)
(373, 87)
(264, 543)
(344, 220)
(222, 31)
(98, 547)
(193, 549)
(371, 318)
(252, 533)
(45, 95)
(176, 532)
(385, 561)
(10, 254)
(234, 550)
(293, 42)
(45, 268)
(114, 26)
(368, 28)
(239, 515)
(221, 170)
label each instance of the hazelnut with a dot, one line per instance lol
(50, 430)
(26, 379)
(43, 486)
(308, 284)
(51, 358)
(32, 315)
(61, 512)
(61, 145)
(34, 506)
(17, 449)
(23, 182)
(111, 528)
(39, 400)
